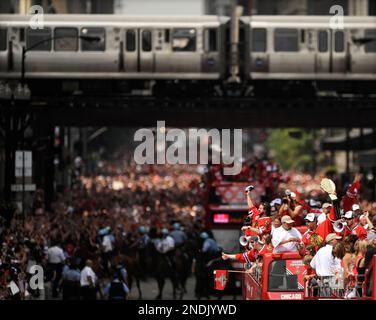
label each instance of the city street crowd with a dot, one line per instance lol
(113, 229)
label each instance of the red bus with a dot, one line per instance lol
(281, 278)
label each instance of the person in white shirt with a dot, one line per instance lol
(88, 282)
(166, 244)
(56, 259)
(324, 263)
(323, 215)
(55, 255)
(286, 238)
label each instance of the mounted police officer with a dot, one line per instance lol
(142, 244)
(178, 235)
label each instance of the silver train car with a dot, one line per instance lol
(285, 49)
(181, 53)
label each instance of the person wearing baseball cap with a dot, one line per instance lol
(357, 211)
(324, 263)
(325, 209)
(352, 227)
(286, 238)
(310, 237)
(365, 221)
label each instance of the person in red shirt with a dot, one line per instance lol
(351, 195)
(352, 227)
(310, 237)
(253, 212)
(292, 208)
(258, 248)
(264, 222)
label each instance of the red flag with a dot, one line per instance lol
(220, 279)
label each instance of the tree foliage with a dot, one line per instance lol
(292, 148)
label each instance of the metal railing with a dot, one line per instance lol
(334, 287)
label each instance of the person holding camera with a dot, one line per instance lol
(291, 208)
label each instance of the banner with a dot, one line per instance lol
(220, 279)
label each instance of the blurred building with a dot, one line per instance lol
(192, 7)
(160, 7)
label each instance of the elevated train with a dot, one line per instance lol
(190, 54)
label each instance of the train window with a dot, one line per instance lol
(66, 39)
(167, 35)
(38, 39)
(130, 40)
(146, 40)
(184, 40)
(3, 39)
(286, 40)
(370, 46)
(211, 36)
(259, 40)
(339, 44)
(22, 34)
(98, 43)
(302, 36)
(322, 41)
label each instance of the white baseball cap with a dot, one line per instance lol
(276, 201)
(349, 215)
(310, 217)
(355, 207)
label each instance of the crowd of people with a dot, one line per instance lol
(339, 241)
(85, 244)
(131, 221)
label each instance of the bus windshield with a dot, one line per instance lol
(286, 276)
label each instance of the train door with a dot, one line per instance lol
(146, 53)
(259, 50)
(163, 50)
(211, 58)
(338, 51)
(131, 54)
(323, 51)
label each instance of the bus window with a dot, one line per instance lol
(339, 43)
(3, 39)
(280, 279)
(259, 40)
(40, 38)
(323, 41)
